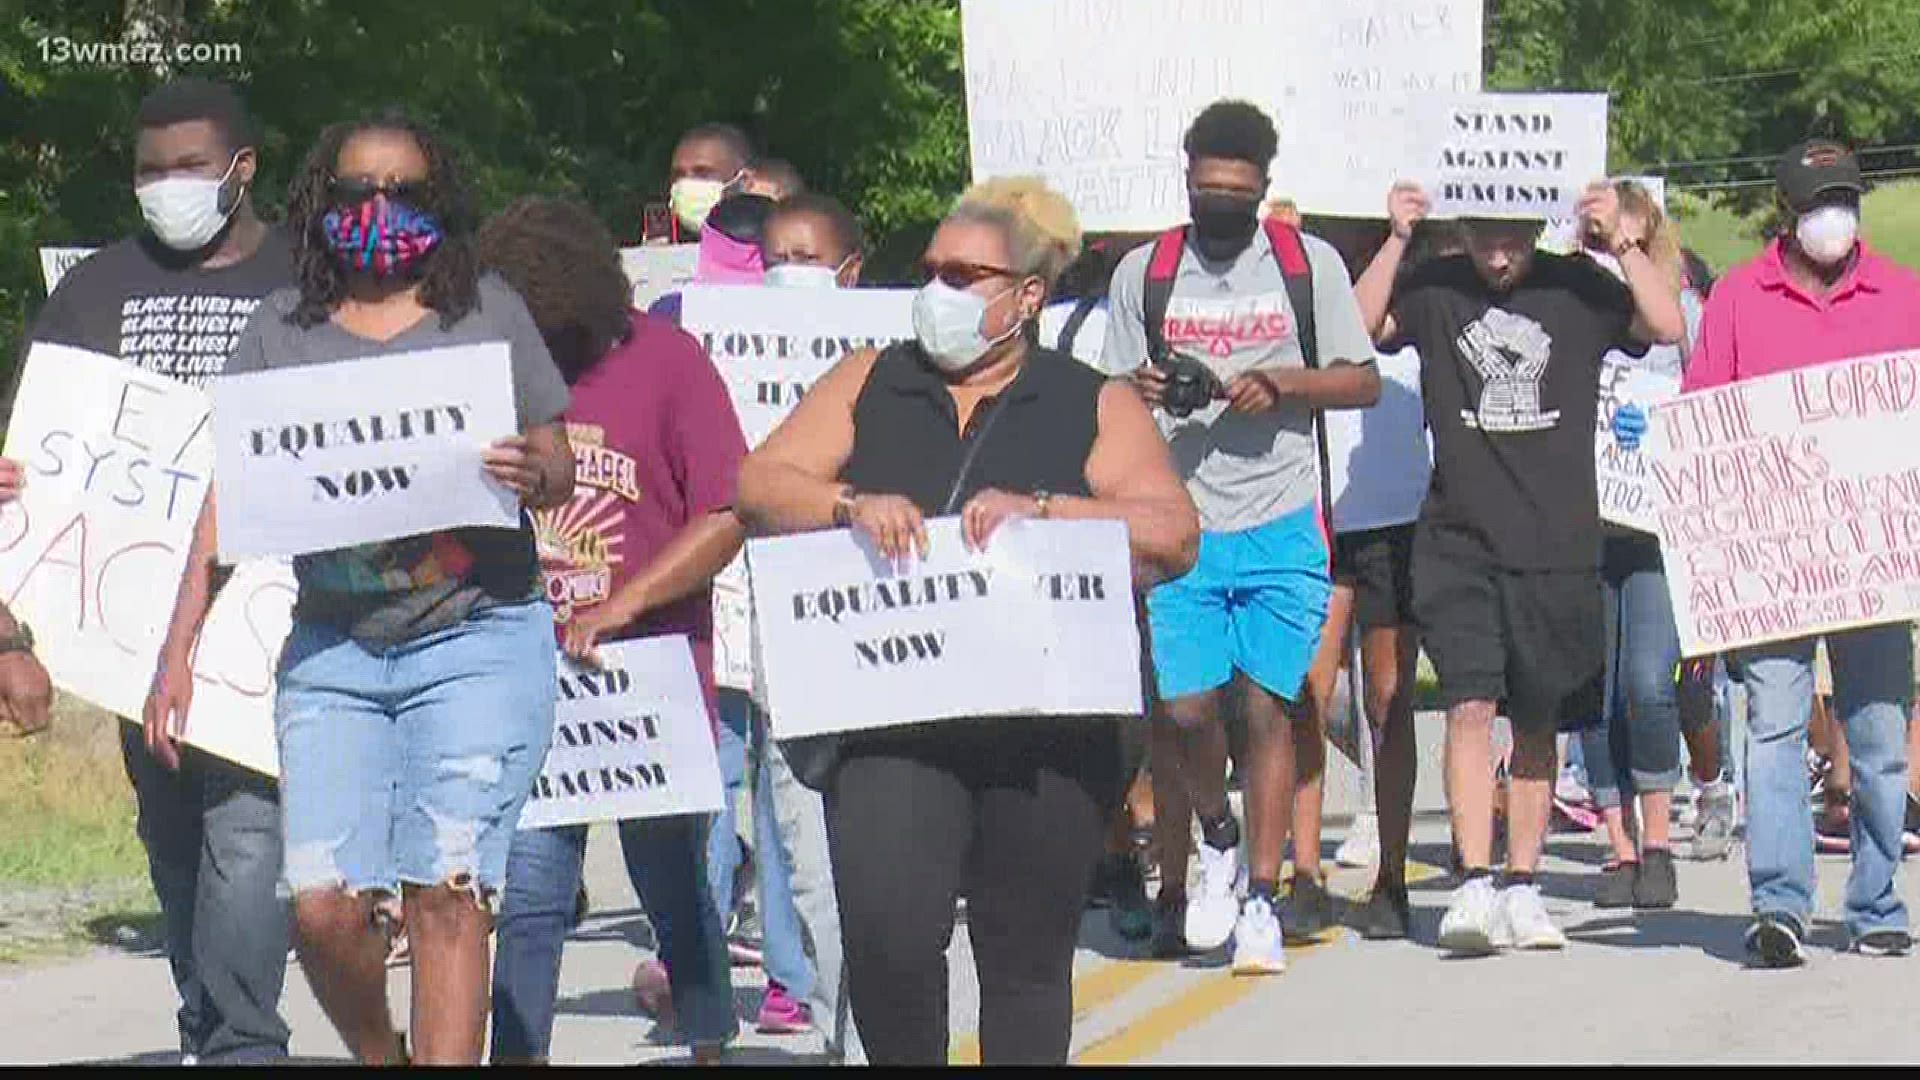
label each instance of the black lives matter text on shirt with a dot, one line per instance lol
(147, 307)
(1511, 386)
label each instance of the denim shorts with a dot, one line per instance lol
(411, 765)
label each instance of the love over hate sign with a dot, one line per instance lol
(360, 451)
(1039, 624)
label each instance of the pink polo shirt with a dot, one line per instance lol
(1758, 322)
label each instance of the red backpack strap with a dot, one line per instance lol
(1162, 265)
(1290, 251)
(1288, 248)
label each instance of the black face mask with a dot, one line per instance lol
(1223, 225)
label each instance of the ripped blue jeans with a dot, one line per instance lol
(411, 765)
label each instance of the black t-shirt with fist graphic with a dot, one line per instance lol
(1511, 383)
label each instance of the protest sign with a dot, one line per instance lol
(1040, 623)
(117, 462)
(1380, 457)
(56, 261)
(1790, 505)
(308, 462)
(1519, 156)
(1622, 474)
(657, 269)
(1096, 95)
(631, 739)
(233, 666)
(769, 346)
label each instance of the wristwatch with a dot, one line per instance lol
(843, 506)
(21, 640)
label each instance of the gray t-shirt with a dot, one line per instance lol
(388, 593)
(1242, 470)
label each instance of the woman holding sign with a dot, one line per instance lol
(414, 695)
(972, 416)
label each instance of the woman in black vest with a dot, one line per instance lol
(1008, 812)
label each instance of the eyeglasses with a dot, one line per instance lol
(960, 275)
(357, 189)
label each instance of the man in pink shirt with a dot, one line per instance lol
(1814, 296)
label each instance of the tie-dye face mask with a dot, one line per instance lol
(380, 236)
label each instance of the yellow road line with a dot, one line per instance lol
(1102, 984)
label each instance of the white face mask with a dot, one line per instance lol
(947, 321)
(803, 276)
(693, 198)
(1827, 234)
(184, 211)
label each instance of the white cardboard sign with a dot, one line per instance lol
(56, 261)
(770, 345)
(1622, 474)
(1039, 624)
(631, 739)
(360, 451)
(1789, 505)
(1517, 156)
(234, 664)
(655, 270)
(1096, 95)
(1381, 457)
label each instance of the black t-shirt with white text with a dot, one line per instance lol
(1511, 385)
(139, 302)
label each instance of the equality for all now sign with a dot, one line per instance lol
(334, 455)
(1519, 156)
(1040, 623)
(1790, 505)
(770, 345)
(631, 739)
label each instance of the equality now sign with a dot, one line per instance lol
(360, 451)
(1039, 624)
(1790, 505)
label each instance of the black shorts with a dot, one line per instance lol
(1377, 564)
(1534, 639)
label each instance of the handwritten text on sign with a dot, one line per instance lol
(1522, 156)
(631, 739)
(1790, 505)
(770, 345)
(56, 261)
(1041, 623)
(307, 464)
(233, 666)
(1095, 95)
(1622, 474)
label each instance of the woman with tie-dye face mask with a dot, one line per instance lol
(414, 696)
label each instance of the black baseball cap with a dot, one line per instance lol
(1814, 168)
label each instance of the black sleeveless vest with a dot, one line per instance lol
(907, 439)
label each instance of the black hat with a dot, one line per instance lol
(1813, 168)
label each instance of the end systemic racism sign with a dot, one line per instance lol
(311, 460)
(1790, 505)
(631, 739)
(1039, 624)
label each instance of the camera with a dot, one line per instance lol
(1190, 386)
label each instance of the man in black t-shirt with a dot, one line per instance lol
(173, 299)
(1506, 552)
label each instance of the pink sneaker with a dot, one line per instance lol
(781, 1015)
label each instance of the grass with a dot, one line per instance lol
(1890, 221)
(72, 871)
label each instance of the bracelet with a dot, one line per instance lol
(843, 506)
(1042, 504)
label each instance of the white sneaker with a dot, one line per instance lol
(1213, 908)
(1257, 945)
(1472, 920)
(1526, 924)
(1361, 848)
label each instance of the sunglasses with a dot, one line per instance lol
(960, 275)
(345, 190)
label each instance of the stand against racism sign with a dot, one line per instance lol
(1096, 95)
(1039, 624)
(308, 464)
(1790, 505)
(631, 739)
(770, 345)
(91, 554)
(1522, 156)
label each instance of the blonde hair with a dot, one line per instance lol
(1663, 237)
(1041, 230)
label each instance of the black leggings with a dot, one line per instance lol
(1013, 814)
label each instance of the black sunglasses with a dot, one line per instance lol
(960, 275)
(358, 189)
